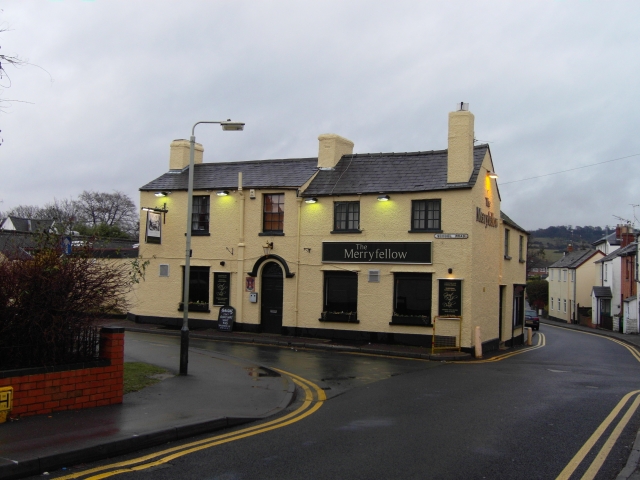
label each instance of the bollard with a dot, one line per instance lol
(529, 335)
(478, 343)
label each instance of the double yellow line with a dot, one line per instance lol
(606, 448)
(541, 343)
(314, 399)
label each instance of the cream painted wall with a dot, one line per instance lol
(477, 260)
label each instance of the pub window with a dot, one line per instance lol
(200, 215)
(346, 216)
(198, 287)
(340, 292)
(412, 295)
(521, 248)
(425, 215)
(506, 244)
(273, 213)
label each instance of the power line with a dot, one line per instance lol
(570, 170)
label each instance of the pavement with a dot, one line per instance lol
(183, 406)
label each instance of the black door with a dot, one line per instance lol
(271, 303)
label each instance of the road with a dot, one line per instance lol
(539, 414)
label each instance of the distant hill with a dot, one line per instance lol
(554, 240)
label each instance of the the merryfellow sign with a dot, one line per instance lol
(486, 218)
(376, 252)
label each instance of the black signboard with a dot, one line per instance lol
(450, 298)
(376, 252)
(226, 317)
(221, 283)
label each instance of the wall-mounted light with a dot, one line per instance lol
(267, 247)
(450, 271)
(222, 193)
(162, 194)
(306, 249)
(311, 200)
(384, 198)
(492, 175)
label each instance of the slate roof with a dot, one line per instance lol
(505, 218)
(389, 173)
(288, 174)
(28, 224)
(601, 292)
(574, 259)
(621, 252)
(611, 238)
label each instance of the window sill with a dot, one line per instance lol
(507, 257)
(339, 317)
(199, 233)
(195, 307)
(522, 261)
(271, 234)
(417, 321)
(345, 231)
(426, 230)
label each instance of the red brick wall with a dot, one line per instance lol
(73, 389)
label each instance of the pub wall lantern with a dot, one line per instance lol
(267, 247)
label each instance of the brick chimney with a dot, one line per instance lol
(626, 235)
(570, 248)
(179, 154)
(331, 149)
(460, 151)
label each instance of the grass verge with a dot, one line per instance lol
(138, 375)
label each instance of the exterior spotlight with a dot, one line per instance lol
(162, 194)
(222, 193)
(311, 200)
(384, 198)
(492, 174)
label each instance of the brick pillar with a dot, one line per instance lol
(112, 348)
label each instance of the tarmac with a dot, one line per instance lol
(184, 406)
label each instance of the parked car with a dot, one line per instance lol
(531, 319)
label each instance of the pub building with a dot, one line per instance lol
(380, 247)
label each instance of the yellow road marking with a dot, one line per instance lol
(595, 466)
(586, 448)
(541, 343)
(300, 413)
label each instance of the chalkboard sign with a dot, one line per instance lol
(226, 317)
(221, 283)
(450, 298)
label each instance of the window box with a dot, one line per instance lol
(343, 317)
(195, 307)
(420, 320)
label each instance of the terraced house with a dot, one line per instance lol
(382, 246)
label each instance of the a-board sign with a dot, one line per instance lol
(226, 317)
(221, 283)
(450, 298)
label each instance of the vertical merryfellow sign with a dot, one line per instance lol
(221, 284)
(450, 298)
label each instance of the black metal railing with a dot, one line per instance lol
(68, 347)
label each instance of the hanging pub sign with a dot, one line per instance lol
(450, 298)
(226, 317)
(153, 231)
(376, 252)
(221, 283)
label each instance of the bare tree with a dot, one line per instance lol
(24, 211)
(115, 209)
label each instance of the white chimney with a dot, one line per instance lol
(331, 149)
(460, 152)
(179, 154)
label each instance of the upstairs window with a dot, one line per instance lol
(506, 244)
(346, 217)
(425, 215)
(200, 215)
(273, 213)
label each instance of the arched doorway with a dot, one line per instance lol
(271, 302)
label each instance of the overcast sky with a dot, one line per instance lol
(553, 84)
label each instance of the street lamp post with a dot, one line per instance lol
(227, 125)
